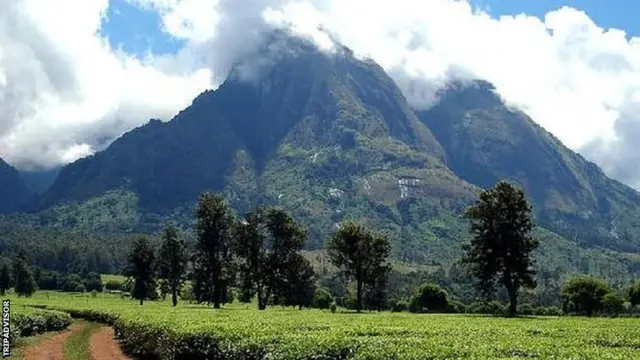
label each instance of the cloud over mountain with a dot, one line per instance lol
(64, 91)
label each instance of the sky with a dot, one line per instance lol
(76, 74)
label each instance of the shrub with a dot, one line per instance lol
(526, 309)
(584, 295)
(429, 298)
(613, 303)
(399, 306)
(488, 308)
(114, 285)
(322, 299)
(80, 288)
(333, 308)
(29, 322)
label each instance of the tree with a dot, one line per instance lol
(24, 283)
(322, 299)
(501, 247)
(213, 262)
(298, 287)
(360, 255)
(584, 295)
(267, 243)
(634, 294)
(613, 303)
(429, 297)
(93, 281)
(141, 268)
(5, 279)
(172, 264)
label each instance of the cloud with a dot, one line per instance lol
(62, 89)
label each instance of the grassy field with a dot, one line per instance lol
(239, 331)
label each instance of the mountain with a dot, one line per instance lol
(39, 181)
(14, 194)
(327, 137)
(487, 141)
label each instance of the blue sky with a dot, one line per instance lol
(136, 30)
(621, 14)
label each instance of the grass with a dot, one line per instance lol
(77, 346)
(293, 334)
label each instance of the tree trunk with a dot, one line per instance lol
(141, 301)
(174, 296)
(359, 295)
(513, 301)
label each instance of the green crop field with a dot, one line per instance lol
(241, 332)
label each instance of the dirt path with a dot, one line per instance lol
(51, 348)
(104, 346)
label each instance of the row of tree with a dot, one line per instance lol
(260, 254)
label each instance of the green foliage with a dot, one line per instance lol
(429, 298)
(141, 269)
(93, 282)
(322, 299)
(172, 263)
(114, 285)
(267, 244)
(212, 262)
(23, 281)
(613, 303)
(159, 331)
(584, 295)
(502, 243)
(27, 321)
(361, 255)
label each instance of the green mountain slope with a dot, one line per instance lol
(14, 193)
(325, 137)
(486, 141)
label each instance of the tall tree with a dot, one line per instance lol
(502, 243)
(267, 242)
(299, 286)
(141, 269)
(361, 255)
(213, 268)
(24, 283)
(5, 279)
(172, 263)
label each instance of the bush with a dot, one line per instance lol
(487, 308)
(584, 295)
(333, 308)
(399, 306)
(29, 322)
(613, 303)
(93, 281)
(114, 285)
(80, 288)
(70, 283)
(322, 299)
(455, 307)
(429, 298)
(526, 309)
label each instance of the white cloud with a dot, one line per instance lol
(577, 80)
(63, 89)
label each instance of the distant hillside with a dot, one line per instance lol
(486, 141)
(14, 193)
(326, 137)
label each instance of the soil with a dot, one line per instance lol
(51, 348)
(104, 346)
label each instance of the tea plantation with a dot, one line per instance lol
(158, 331)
